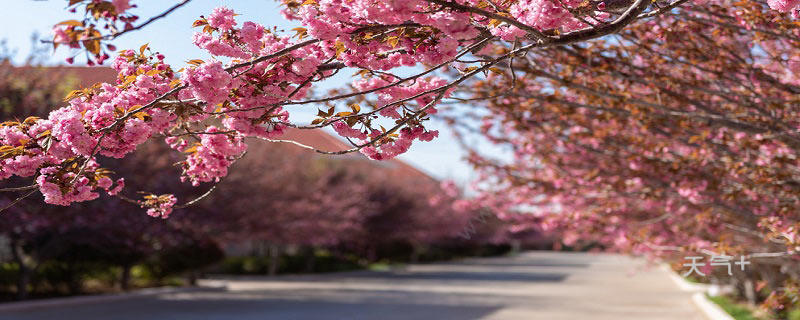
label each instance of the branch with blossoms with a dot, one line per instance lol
(207, 109)
(85, 34)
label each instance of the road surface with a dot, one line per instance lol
(532, 285)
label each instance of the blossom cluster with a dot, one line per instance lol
(104, 120)
(210, 158)
(159, 206)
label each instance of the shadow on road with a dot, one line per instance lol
(466, 276)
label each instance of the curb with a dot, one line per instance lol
(69, 301)
(709, 309)
(682, 283)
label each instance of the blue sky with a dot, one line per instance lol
(441, 158)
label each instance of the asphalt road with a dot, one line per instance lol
(532, 285)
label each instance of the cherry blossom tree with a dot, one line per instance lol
(674, 136)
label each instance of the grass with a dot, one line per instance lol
(691, 279)
(384, 266)
(737, 311)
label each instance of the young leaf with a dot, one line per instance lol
(73, 94)
(199, 22)
(301, 32)
(393, 41)
(75, 23)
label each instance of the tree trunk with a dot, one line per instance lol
(311, 259)
(274, 259)
(416, 251)
(372, 254)
(24, 271)
(74, 281)
(191, 278)
(515, 246)
(125, 278)
(750, 292)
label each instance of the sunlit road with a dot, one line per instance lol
(533, 285)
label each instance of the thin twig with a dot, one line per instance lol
(115, 35)
(15, 189)
(18, 200)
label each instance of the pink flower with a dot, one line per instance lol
(60, 36)
(429, 136)
(71, 131)
(160, 206)
(783, 5)
(305, 67)
(209, 82)
(346, 131)
(251, 34)
(121, 6)
(116, 190)
(222, 18)
(104, 182)
(51, 180)
(211, 159)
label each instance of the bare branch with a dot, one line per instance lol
(538, 35)
(15, 189)
(115, 35)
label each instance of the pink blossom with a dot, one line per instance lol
(120, 184)
(346, 131)
(222, 18)
(209, 82)
(61, 37)
(50, 182)
(121, 6)
(212, 157)
(429, 136)
(783, 5)
(160, 206)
